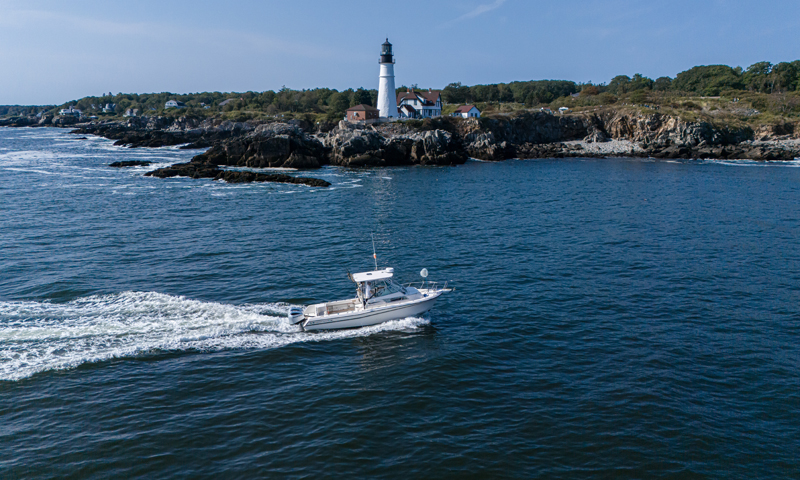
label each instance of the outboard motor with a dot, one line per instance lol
(296, 315)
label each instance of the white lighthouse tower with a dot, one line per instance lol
(387, 98)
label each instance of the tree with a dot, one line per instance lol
(640, 82)
(339, 102)
(662, 84)
(619, 84)
(361, 96)
(784, 76)
(590, 90)
(708, 80)
(756, 78)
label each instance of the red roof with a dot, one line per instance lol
(431, 96)
(362, 108)
(465, 108)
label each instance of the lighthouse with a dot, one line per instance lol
(387, 98)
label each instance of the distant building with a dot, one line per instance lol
(467, 111)
(423, 104)
(131, 112)
(363, 113)
(70, 111)
(109, 108)
(174, 104)
(225, 102)
(563, 110)
(546, 110)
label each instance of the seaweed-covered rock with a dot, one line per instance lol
(130, 163)
(196, 169)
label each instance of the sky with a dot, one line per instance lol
(52, 52)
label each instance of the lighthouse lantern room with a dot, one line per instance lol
(387, 98)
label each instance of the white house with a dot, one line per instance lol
(131, 112)
(174, 104)
(563, 110)
(413, 104)
(70, 111)
(467, 111)
(109, 108)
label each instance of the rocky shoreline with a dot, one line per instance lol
(439, 141)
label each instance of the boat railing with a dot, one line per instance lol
(428, 285)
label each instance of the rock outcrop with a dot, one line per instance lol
(130, 163)
(197, 169)
(497, 138)
(161, 131)
(276, 145)
(354, 146)
(623, 131)
(22, 121)
(543, 135)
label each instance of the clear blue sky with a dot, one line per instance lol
(55, 51)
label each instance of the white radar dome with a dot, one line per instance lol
(424, 272)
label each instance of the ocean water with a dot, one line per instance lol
(623, 318)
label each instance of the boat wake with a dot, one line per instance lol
(41, 336)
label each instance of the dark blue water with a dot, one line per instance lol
(612, 318)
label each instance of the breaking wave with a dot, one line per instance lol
(41, 336)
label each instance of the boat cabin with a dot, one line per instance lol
(379, 287)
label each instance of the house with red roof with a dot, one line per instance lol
(419, 104)
(467, 111)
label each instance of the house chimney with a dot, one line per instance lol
(429, 90)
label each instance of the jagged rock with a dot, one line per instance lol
(130, 163)
(246, 177)
(23, 121)
(160, 131)
(272, 145)
(665, 130)
(195, 169)
(496, 138)
(359, 147)
(64, 120)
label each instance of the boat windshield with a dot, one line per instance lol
(381, 288)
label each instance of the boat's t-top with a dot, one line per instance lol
(379, 287)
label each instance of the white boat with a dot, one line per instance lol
(378, 299)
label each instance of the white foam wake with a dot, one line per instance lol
(39, 336)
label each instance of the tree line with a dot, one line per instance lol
(330, 104)
(710, 80)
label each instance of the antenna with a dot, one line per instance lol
(374, 255)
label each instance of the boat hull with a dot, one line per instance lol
(371, 316)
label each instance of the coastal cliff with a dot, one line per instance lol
(445, 140)
(542, 135)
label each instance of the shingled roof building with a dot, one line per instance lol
(413, 104)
